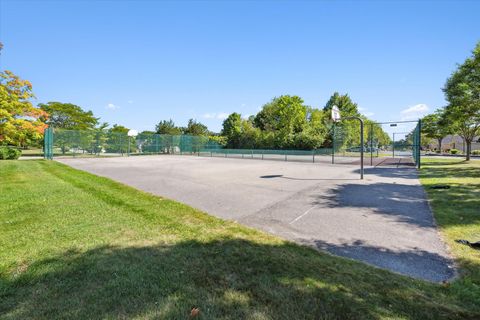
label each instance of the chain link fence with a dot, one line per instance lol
(105, 143)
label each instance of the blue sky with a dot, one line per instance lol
(138, 62)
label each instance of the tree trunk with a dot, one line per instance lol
(440, 145)
(469, 148)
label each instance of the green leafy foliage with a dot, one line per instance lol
(193, 128)
(196, 128)
(284, 123)
(21, 124)
(349, 128)
(68, 116)
(9, 153)
(220, 140)
(435, 126)
(167, 127)
(462, 91)
(287, 123)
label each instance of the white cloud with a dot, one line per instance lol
(214, 115)
(208, 115)
(415, 112)
(365, 112)
(130, 101)
(111, 106)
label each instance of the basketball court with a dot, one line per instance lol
(383, 220)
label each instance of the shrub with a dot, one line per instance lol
(454, 151)
(9, 153)
(3, 153)
(476, 152)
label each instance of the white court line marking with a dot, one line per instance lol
(302, 215)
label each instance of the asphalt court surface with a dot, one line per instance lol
(383, 220)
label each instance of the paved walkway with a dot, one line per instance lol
(383, 220)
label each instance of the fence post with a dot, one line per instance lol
(48, 143)
(333, 144)
(313, 151)
(419, 137)
(285, 155)
(371, 144)
(393, 146)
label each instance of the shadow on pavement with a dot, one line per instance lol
(404, 203)
(432, 266)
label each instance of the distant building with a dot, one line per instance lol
(454, 142)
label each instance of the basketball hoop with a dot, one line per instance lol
(132, 133)
(335, 114)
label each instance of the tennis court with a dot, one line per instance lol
(383, 220)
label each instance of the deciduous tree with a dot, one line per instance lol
(350, 129)
(232, 130)
(167, 127)
(20, 122)
(196, 128)
(435, 126)
(462, 91)
(68, 116)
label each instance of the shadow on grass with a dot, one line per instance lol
(450, 169)
(229, 279)
(452, 172)
(450, 162)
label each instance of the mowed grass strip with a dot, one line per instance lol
(78, 246)
(457, 212)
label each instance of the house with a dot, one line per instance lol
(454, 142)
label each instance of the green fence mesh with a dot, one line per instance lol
(48, 144)
(342, 145)
(104, 143)
(416, 144)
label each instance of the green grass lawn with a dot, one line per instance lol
(457, 211)
(77, 246)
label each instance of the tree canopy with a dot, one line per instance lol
(68, 116)
(119, 129)
(167, 127)
(344, 103)
(196, 128)
(435, 126)
(20, 122)
(287, 122)
(462, 91)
